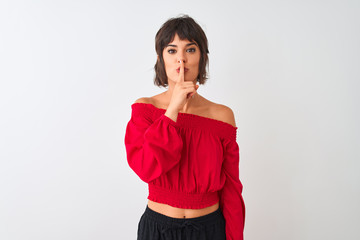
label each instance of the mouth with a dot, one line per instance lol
(185, 69)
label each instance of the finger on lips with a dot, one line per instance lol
(181, 70)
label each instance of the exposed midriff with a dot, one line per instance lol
(175, 212)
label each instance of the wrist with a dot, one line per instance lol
(171, 113)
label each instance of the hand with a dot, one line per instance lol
(183, 90)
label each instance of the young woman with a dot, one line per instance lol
(184, 146)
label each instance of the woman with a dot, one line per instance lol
(184, 146)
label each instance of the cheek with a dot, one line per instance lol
(168, 62)
(168, 67)
(195, 63)
(195, 60)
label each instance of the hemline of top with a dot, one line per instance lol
(182, 199)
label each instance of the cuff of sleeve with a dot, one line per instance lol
(168, 120)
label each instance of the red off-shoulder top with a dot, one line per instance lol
(191, 163)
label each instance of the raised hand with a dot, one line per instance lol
(183, 90)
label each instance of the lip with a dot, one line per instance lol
(185, 69)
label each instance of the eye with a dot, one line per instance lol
(191, 50)
(171, 51)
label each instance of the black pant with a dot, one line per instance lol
(156, 226)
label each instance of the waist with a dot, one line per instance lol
(181, 213)
(182, 199)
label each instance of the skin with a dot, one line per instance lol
(181, 58)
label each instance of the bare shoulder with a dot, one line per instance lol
(152, 100)
(143, 100)
(224, 113)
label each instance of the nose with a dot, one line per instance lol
(181, 57)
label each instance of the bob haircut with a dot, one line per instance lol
(186, 28)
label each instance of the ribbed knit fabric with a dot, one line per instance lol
(192, 163)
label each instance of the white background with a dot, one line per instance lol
(70, 70)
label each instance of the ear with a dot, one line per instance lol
(157, 57)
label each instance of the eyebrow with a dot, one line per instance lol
(189, 44)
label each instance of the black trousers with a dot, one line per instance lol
(156, 226)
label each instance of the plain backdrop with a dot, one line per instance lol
(69, 71)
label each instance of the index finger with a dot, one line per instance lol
(181, 73)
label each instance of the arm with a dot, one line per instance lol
(231, 200)
(152, 147)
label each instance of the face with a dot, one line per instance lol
(184, 50)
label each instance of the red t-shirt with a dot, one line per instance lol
(191, 163)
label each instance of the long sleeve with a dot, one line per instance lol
(152, 147)
(231, 200)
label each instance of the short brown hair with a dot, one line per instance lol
(186, 28)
